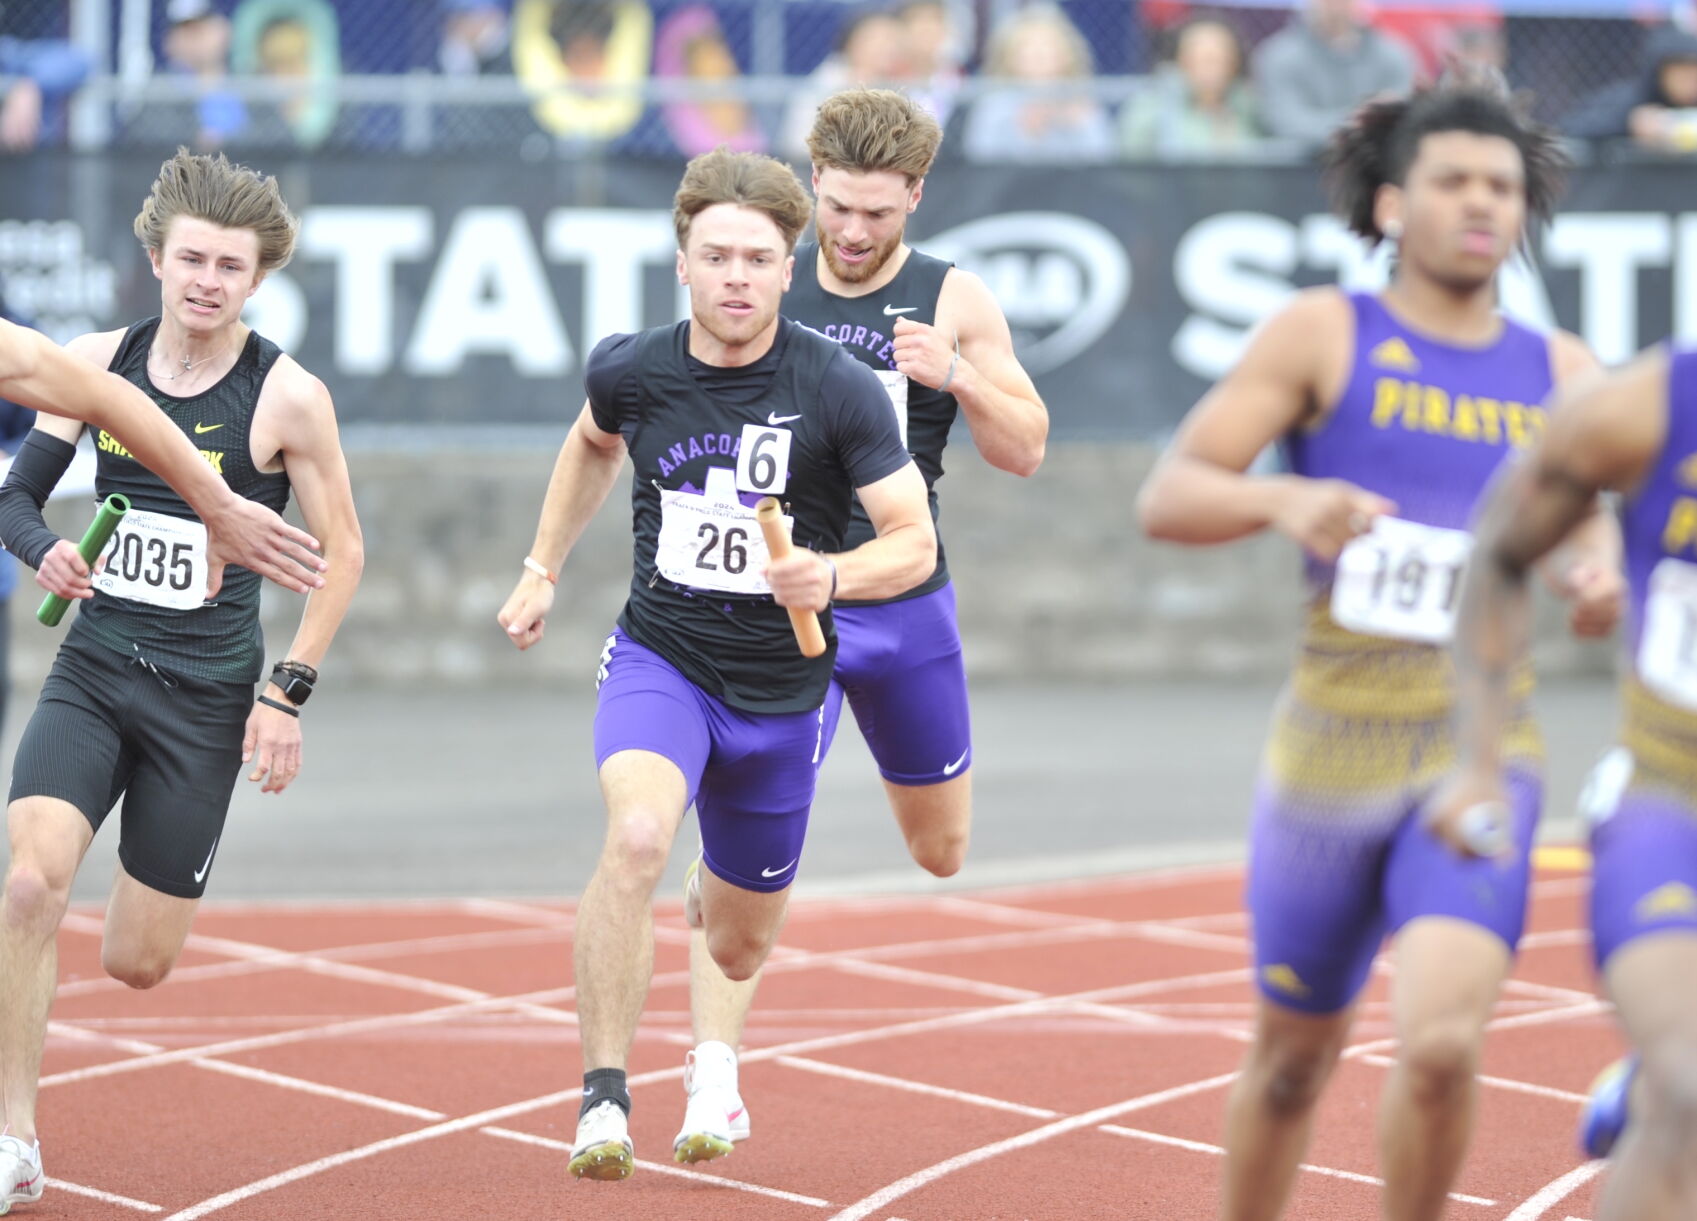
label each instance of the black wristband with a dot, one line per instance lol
(279, 705)
(40, 462)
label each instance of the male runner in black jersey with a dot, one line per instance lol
(704, 695)
(937, 340)
(40, 375)
(152, 694)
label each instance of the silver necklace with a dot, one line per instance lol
(187, 365)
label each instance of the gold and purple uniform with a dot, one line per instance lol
(1642, 799)
(1362, 733)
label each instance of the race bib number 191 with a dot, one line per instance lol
(1401, 580)
(1667, 649)
(157, 559)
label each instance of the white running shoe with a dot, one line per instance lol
(692, 893)
(715, 1117)
(603, 1148)
(21, 1177)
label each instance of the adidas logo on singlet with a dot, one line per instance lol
(1394, 354)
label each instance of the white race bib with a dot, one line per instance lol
(1667, 649)
(712, 541)
(895, 384)
(157, 559)
(763, 458)
(1401, 580)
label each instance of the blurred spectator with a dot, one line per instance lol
(579, 60)
(293, 43)
(15, 423)
(476, 39)
(937, 41)
(197, 51)
(47, 72)
(691, 46)
(1312, 74)
(1038, 119)
(1658, 109)
(870, 51)
(1197, 106)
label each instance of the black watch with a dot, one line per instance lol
(295, 679)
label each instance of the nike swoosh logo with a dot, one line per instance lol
(772, 873)
(200, 876)
(736, 1114)
(950, 769)
(891, 311)
(773, 417)
(200, 428)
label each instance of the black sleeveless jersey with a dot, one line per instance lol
(219, 640)
(803, 423)
(864, 326)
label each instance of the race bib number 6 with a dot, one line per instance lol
(156, 559)
(1401, 580)
(1667, 649)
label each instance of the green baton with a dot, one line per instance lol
(106, 519)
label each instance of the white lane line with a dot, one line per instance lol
(693, 1176)
(413, 947)
(1513, 1022)
(1501, 1083)
(301, 1086)
(105, 1197)
(877, 1201)
(380, 1022)
(1554, 1192)
(308, 1169)
(825, 1069)
(1161, 1138)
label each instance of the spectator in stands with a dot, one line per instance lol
(1312, 74)
(32, 106)
(15, 423)
(476, 39)
(871, 50)
(579, 59)
(691, 46)
(297, 45)
(1037, 118)
(197, 48)
(1658, 109)
(1199, 105)
(937, 41)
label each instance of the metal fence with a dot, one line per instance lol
(421, 75)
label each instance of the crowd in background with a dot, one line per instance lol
(1023, 85)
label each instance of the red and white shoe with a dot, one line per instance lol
(715, 1117)
(21, 1176)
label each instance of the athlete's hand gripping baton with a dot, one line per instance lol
(106, 519)
(770, 514)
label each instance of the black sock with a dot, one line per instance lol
(600, 1084)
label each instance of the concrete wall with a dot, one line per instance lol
(1054, 580)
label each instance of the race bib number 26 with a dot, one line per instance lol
(157, 559)
(1402, 580)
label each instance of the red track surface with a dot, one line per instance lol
(1045, 1054)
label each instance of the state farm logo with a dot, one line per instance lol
(1061, 280)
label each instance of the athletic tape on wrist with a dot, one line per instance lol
(541, 570)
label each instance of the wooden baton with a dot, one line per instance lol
(770, 514)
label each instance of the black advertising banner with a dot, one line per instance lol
(436, 292)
